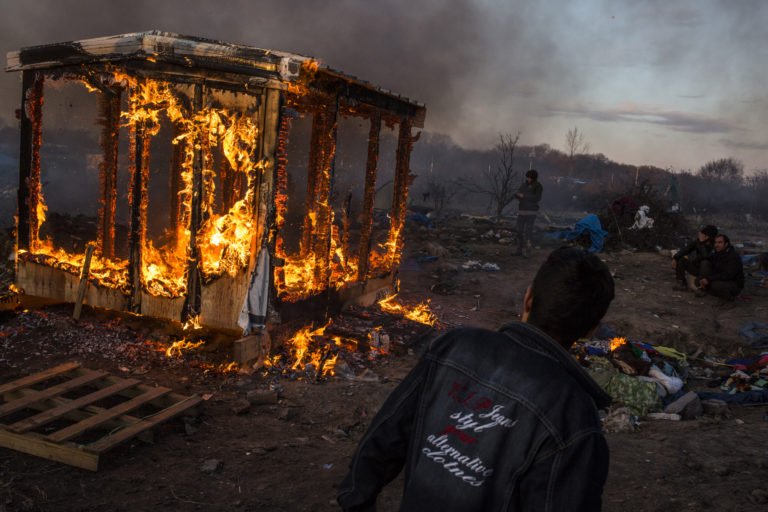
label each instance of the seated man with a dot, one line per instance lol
(503, 420)
(725, 278)
(691, 258)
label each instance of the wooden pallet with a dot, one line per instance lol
(36, 418)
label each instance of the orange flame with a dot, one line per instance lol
(223, 239)
(418, 313)
(178, 347)
(617, 342)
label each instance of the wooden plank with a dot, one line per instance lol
(79, 414)
(108, 414)
(25, 164)
(57, 412)
(192, 300)
(34, 444)
(366, 222)
(84, 272)
(138, 217)
(16, 405)
(31, 380)
(123, 435)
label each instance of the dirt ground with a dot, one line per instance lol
(291, 455)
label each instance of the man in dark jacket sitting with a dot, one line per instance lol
(725, 278)
(695, 255)
(498, 420)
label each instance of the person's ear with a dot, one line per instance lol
(527, 304)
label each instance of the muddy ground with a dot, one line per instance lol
(290, 455)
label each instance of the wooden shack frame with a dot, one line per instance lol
(277, 81)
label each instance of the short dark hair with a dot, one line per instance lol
(571, 293)
(725, 238)
(533, 174)
(710, 231)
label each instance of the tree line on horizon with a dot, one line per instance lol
(575, 179)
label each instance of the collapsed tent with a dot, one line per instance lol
(589, 225)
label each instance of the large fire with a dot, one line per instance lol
(223, 238)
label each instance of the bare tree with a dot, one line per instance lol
(725, 170)
(575, 145)
(500, 182)
(438, 190)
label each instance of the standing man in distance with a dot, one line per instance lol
(529, 195)
(498, 420)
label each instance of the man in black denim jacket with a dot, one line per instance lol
(498, 421)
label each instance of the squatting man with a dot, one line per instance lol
(498, 420)
(710, 265)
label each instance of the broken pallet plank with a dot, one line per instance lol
(109, 442)
(57, 412)
(34, 444)
(31, 380)
(16, 405)
(108, 414)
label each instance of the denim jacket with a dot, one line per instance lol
(487, 421)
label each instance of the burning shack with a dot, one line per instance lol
(203, 204)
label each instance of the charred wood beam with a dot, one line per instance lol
(326, 82)
(371, 167)
(176, 182)
(322, 242)
(138, 217)
(29, 159)
(194, 292)
(280, 180)
(402, 181)
(267, 121)
(109, 108)
(314, 170)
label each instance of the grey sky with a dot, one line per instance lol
(668, 83)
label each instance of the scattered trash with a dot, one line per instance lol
(662, 416)
(642, 221)
(471, 265)
(589, 225)
(756, 333)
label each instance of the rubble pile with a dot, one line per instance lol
(31, 338)
(349, 344)
(669, 227)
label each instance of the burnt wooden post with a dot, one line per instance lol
(194, 292)
(402, 178)
(314, 169)
(371, 167)
(138, 216)
(109, 107)
(280, 190)
(176, 184)
(29, 159)
(321, 246)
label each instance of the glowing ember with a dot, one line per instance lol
(311, 348)
(617, 342)
(418, 313)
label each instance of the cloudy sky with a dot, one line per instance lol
(660, 82)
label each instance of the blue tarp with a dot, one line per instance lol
(756, 333)
(589, 225)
